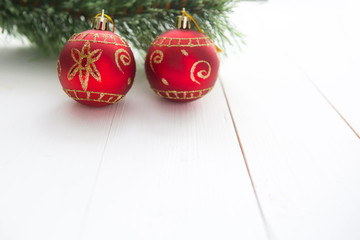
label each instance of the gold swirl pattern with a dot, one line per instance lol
(203, 74)
(157, 59)
(125, 58)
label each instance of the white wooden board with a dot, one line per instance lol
(142, 169)
(303, 158)
(322, 40)
(173, 171)
(50, 149)
(150, 169)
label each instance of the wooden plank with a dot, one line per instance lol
(51, 148)
(163, 170)
(303, 158)
(173, 171)
(325, 46)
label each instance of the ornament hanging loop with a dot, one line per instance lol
(183, 22)
(101, 22)
(197, 26)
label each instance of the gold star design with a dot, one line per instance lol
(85, 64)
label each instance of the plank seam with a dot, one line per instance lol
(92, 193)
(328, 100)
(245, 160)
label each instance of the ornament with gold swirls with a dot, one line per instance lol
(181, 65)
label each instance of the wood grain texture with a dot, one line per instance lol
(325, 46)
(303, 158)
(151, 169)
(142, 169)
(50, 149)
(173, 171)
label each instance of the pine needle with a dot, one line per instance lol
(49, 24)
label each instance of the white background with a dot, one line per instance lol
(273, 152)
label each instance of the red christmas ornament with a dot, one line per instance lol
(181, 64)
(96, 67)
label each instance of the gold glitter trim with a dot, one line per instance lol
(90, 57)
(112, 98)
(177, 42)
(182, 95)
(157, 59)
(58, 68)
(129, 81)
(183, 51)
(203, 74)
(125, 59)
(80, 37)
(165, 82)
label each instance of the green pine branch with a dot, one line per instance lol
(49, 24)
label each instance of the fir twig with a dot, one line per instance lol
(49, 24)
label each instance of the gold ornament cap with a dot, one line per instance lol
(101, 22)
(183, 22)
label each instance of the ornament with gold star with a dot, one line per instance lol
(96, 67)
